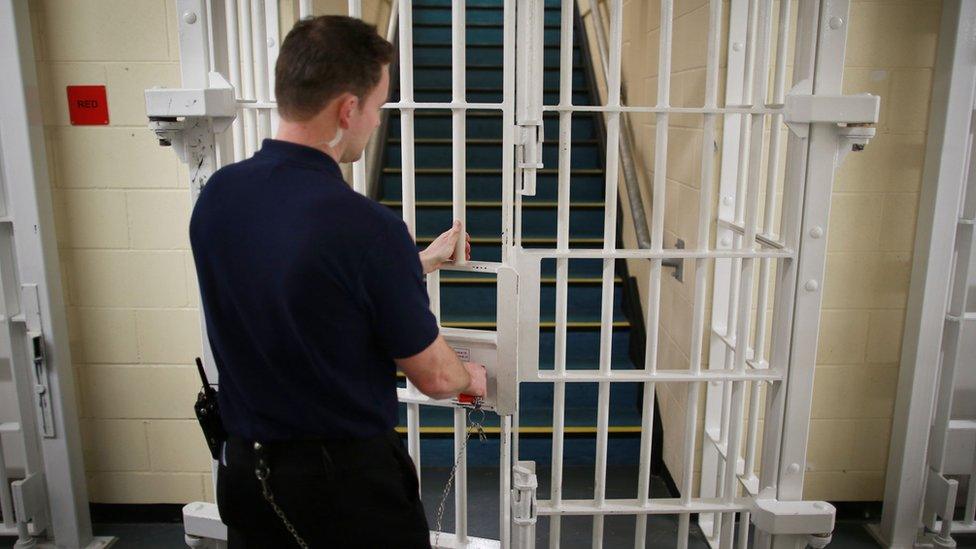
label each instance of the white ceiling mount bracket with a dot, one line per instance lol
(175, 112)
(854, 115)
(813, 520)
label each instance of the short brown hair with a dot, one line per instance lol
(324, 57)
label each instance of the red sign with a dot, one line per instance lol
(87, 105)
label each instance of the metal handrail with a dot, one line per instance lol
(631, 183)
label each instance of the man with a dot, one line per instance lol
(313, 297)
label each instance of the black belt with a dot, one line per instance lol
(301, 454)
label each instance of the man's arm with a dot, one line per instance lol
(438, 372)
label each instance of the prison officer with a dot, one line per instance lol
(313, 297)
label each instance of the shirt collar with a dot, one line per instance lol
(301, 153)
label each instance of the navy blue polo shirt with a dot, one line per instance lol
(309, 291)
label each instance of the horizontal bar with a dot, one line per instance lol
(764, 239)
(660, 376)
(530, 429)
(9, 427)
(269, 105)
(444, 106)
(962, 425)
(595, 253)
(958, 527)
(668, 110)
(657, 506)
(407, 396)
(448, 540)
(473, 267)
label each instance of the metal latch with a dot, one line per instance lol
(524, 486)
(528, 155)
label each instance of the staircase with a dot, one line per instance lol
(468, 299)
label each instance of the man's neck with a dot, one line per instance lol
(309, 134)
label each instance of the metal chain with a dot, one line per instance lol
(262, 474)
(477, 425)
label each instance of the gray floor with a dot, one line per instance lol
(483, 515)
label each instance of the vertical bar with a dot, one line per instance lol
(247, 88)
(722, 294)
(609, 244)
(6, 500)
(304, 9)
(458, 121)
(508, 450)
(654, 273)
(562, 264)
(701, 266)
(273, 38)
(407, 115)
(508, 132)
(234, 71)
(785, 288)
(407, 180)
(461, 477)
(260, 52)
(359, 166)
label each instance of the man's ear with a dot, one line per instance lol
(348, 103)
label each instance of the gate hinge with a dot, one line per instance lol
(854, 116)
(813, 520)
(524, 486)
(30, 503)
(174, 111)
(31, 317)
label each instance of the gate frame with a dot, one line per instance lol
(814, 109)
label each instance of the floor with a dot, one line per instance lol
(483, 516)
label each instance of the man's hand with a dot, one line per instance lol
(441, 250)
(479, 379)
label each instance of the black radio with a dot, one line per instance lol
(208, 414)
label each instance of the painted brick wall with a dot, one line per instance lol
(891, 52)
(122, 206)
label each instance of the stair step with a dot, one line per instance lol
(487, 14)
(584, 187)
(485, 54)
(480, 35)
(478, 303)
(485, 95)
(438, 124)
(536, 222)
(492, 251)
(487, 155)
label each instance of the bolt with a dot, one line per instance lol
(812, 285)
(794, 468)
(737, 46)
(836, 23)
(816, 232)
(271, 42)
(257, 445)
(857, 147)
(189, 17)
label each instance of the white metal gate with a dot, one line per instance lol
(768, 257)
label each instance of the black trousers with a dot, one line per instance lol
(336, 493)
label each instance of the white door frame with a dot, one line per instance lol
(49, 505)
(936, 302)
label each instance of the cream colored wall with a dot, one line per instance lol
(891, 52)
(122, 206)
